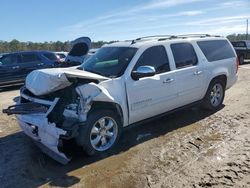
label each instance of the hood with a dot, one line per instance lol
(79, 49)
(45, 81)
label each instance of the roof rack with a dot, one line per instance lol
(168, 37)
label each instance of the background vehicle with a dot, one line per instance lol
(62, 55)
(242, 49)
(124, 83)
(79, 50)
(14, 67)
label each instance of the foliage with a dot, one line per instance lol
(234, 37)
(16, 45)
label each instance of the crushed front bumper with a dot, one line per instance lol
(37, 126)
(44, 133)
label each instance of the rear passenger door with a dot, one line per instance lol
(29, 62)
(9, 68)
(150, 96)
(189, 73)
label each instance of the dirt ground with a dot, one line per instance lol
(190, 148)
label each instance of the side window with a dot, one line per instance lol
(9, 60)
(239, 44)
(184, 55)
(215, 50)
(156, 57)
(29, 57)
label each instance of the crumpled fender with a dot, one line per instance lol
(92, 92)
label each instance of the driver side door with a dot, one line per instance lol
(151, 96)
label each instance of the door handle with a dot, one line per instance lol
(15, 67)
(169, 80)
(197, 72)
(40, 64)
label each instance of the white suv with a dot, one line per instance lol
(123, 83)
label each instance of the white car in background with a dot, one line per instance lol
(123, 83)
(61, 55)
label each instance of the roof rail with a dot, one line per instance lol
(168, 37)
(150, 37)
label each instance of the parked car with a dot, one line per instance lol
(61, 55)
(14, 67)
(122, 84)
(242, 49)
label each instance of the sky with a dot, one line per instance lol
(46, 20)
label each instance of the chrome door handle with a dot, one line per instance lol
(40, 64)
(197, 72)
(169, 80)
(15, 67)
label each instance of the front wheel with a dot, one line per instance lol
(215, 95)
(101, 132)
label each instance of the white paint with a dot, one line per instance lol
(45, 81)
(48, 133)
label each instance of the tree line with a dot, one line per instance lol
(16, 45)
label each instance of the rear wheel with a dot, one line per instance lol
(101, 132)
(215, 95)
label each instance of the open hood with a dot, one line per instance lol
(79, 49)
(45, 81)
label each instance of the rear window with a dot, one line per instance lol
(9, 59)
(239, 44)
(30, 57)
(215, 50)
(184, 55)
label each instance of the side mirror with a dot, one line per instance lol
(143, 71)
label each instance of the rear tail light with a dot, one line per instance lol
(237, 64)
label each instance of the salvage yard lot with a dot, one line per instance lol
(191, 148)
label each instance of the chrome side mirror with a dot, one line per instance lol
(143, 71)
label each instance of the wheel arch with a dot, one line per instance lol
(116, 108)
(222, 77)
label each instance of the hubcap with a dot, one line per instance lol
(216, 95)
(103, 133)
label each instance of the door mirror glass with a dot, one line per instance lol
(143, 71)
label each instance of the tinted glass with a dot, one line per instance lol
(184, 55)
(50, 56)
(239, 44)
(30, 57)
(248, 44)
(215, 50)
(156, 57)
(109, 61)
(9, 59)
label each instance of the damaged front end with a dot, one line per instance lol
(51, 118)
(57, 113)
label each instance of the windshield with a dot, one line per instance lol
(109, 61)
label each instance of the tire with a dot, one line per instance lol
(241, 60)
(102, 126)
(215, 95)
